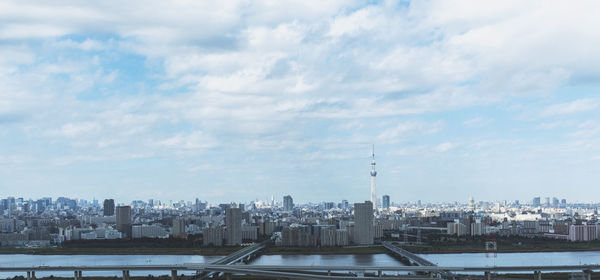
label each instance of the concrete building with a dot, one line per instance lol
(109, 207)
(457, 228)
(179, 228)
(537, 201)
(149, 231)
(341, 237)
(123, 214)
(477, 228)
(213, 237)
(363, 223)
(249, 232)
(233, 221)
(583, 232)
(297, 236)
(386, 202)
(328, 237)
(288, 203)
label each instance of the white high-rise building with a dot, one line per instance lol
(373, 175)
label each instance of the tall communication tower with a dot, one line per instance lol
(373, 175)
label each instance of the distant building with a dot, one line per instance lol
(179, 228)
(213, 237)
(288, 203)
(124, 220)
(109, 207)
(478, 228)
(328, 237)
(341, 237)
(344, 204)
(249, 232)
(386, 202)
(536, 201)
(583, 232)
(555, 202)
(456, 228)
(363, 223)
(233, 220)
(297, 236)
(149, 231)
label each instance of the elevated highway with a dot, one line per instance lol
(313, 272)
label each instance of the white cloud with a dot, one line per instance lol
(317, 80)
(572, 107)
(444, 147)
(77, 129)
(402, 130)
(196, 140)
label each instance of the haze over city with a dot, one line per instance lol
(239, 101)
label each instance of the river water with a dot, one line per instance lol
(467, 259)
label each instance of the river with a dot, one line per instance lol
(467, 259)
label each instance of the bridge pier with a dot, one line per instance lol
(587, 274)
(537, 275)
(379, 273)
(77, 275)
(126, 275)
(488, 275)
(228, 276)
(174, 274)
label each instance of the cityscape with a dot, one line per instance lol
(287, 139)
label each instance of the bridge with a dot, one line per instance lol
(245, 254)
(236, 264)
(414, 259)
(315, 272)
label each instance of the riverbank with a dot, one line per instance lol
(216, 251)
(510, 249)
(274, 250)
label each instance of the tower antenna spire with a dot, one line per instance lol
(373, 151)
(373, 175)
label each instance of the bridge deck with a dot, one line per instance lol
(404, 253)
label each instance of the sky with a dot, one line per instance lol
(240, 100)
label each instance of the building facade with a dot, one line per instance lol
(124, 220)
(288, 203)
(363, 223)
(233, 219)
(109, 207)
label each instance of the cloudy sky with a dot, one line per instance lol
(241, 100)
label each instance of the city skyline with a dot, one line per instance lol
(537, 201)
(238, 101)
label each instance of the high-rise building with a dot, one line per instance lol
(386, 202)
(555, 202)
(536, 201)
(109, 207)
(124, 220)
(178, 227)
(233, 221)
(344, 204)
(547, 201)
(363, 223)
(288, 203)
(213, 236)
